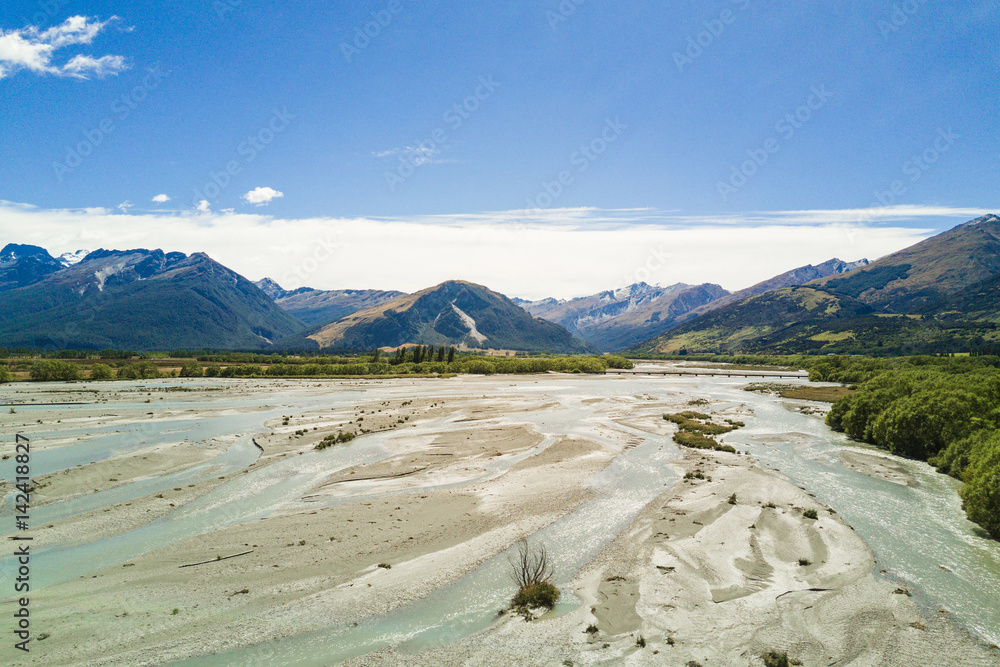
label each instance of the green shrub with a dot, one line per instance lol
(532, 572)
(143, 370)
(47, 371)
(480, 367)
(543, 594)
(698, 441)
(775, 659)
(810, 514)
(335, 439)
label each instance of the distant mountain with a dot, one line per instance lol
(23, 265)
(270, 288)
(452, 313)
(616, 319)
(313, 306)
(938, 295)
(920, 276)
(799, 276)
(602, 306)
(135, 299)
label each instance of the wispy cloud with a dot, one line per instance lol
(415, 155)
(561, 252)
(33, 49)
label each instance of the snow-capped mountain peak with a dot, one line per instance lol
(71, 258)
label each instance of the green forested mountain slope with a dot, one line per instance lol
(142, 300)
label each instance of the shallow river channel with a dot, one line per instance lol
(918, 532)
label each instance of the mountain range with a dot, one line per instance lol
(313, 306)
(616, 319)
(132, 299)
(942, 294)
(938, 295)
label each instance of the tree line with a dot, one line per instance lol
(429, 361)
(942, 410)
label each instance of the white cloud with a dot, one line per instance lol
(261, 196)
(203, 206)
(555, 252)
(74, 30)
(82, 66)
(33, 49)
(415, 155)
(123, 207)
(161, 199)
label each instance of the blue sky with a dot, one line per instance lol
(695, 112)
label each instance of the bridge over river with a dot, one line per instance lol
(705, 372)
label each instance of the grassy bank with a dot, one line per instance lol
(231, 365)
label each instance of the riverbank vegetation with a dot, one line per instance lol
(531, 571)
(411, 361)
(695, 430)
(799, 392)
(942, 410)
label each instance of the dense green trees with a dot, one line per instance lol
(427, 360)
(44, 371)
(101, 372)
(465, 364)
(981, 493)
(945, 411)
(5, 374)
(192, 370)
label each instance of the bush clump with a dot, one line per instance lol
(543, 594)
(694, 429)
(698, 441)
(775, 659)
(532, 572)
(335, 439)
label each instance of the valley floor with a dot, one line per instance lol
(463, 468)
